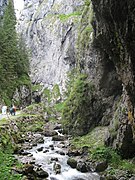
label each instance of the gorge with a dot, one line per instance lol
(82, 61)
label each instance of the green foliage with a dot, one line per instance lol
(87, 2)
(98, 152)
(64, 17)
(59, 106)
(105, 153)
(6, 163)
(56, 92)
(93, 139)
(71, 76)
(47, 95)
(36, 127)
(36, 87)
(76, 109)
(14, 63)
(6, 154)
(85, 32)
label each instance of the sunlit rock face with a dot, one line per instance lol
(3, 3)
(50, 30)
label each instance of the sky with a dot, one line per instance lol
(18, 4)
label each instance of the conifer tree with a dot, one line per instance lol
(14, 62)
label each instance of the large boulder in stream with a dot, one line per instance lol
(82, 167)
(72, 162)
(41, 173)
(57, 168)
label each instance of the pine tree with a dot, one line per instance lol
(14, 62)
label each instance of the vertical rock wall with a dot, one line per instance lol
(49, 28)
(60, 37)
(114, 29)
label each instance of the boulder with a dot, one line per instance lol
(40, 149)
(101, 166)
(57, 168)
(82, 167)
(58, 138)
(41, 173)
(28, 169)
(72, 162)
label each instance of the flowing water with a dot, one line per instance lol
(48, 156)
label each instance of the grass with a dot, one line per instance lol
(3, 121)
(93, 139)
(98, 152)
(7, 161)
(59, 107)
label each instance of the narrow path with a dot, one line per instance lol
(8, 116)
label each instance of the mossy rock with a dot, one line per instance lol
(72, 162)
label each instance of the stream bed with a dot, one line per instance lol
(49, 155)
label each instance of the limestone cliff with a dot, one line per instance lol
(114, 36)
(49, 27)
(60, 36)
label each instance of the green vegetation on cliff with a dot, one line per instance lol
(77, 107)
(85, 32)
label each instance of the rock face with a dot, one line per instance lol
(60, 37)
(114, 36)
(49, 27)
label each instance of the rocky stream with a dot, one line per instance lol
(47, 156)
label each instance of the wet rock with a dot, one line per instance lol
(132, 178)
(40, 140)
(82, 167)
(60, 131)
(50, 133)
(57, 168)
(122, 178)
(110, 177)
(41, 173)
(60, 152)
(54, 159)
(74, 153)
(102, 178)
(85, 150)
(58, 126)
(58, 138)
(101, 166)
(36, 140)
(52, 147)
(45, 151)
(30, 155)
(35, 144)
(32, 162)
(25, 153)
(40, 149)
(53, 178)
(28, 169)
(72, 162)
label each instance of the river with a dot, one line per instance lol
(50, 153)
